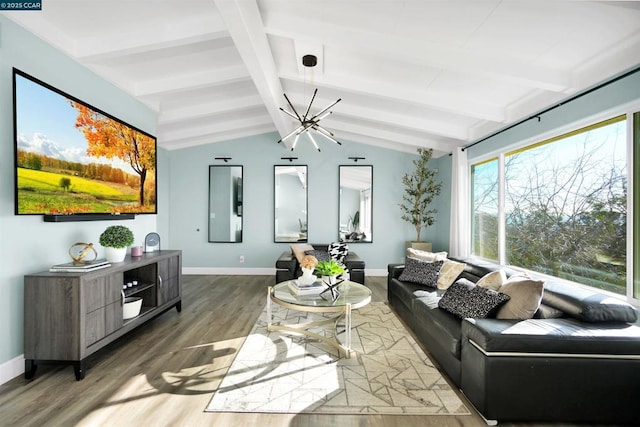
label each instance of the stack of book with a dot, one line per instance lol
(72, 267)
(300, 289)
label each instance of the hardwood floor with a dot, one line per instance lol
(164, 373)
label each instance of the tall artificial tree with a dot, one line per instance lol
(420, 188)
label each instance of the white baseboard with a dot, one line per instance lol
(11, 369)
(229, 271)
(375, 272)
(256, 271)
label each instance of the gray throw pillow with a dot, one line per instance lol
(319, 255)
(422, 272)
(465, 299)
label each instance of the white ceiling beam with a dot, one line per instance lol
(622, 56)
(187, 81)
(149, 37)
(193, 111)
(245, 132)
(391, 145)
(421, 124)
(362, 86)
(38, 24)
(385, 117)
(417, 51)
(339, 126)
(193, 131)
(244, 23)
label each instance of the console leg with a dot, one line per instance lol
(179, 306)
(79, 369)
(30, 368)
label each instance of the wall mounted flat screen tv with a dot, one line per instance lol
(74, 160)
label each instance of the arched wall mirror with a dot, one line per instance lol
(290, 207)
(225, 204)
(356, 204)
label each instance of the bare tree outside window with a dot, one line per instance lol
(485, 209)
(565, 207)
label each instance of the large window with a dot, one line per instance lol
(564, 206)
(485, 209)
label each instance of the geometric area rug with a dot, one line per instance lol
(278, 372)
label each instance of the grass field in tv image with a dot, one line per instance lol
(74, 159)
(60, 193)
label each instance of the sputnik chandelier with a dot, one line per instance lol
(309, 124)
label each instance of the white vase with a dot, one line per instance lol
(330, 280)
(307, 276)
(115, 254)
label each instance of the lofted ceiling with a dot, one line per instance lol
(410, 73)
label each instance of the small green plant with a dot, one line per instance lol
(116, 236)
(328, 268)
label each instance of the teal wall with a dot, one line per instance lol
(440, 230)
(258, 155)
(29, 244)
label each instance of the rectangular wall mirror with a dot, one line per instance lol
(225, 204)
(356, 204)
(290, 213)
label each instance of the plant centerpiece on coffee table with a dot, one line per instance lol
(420, 188)
(331, 269)
(116, 239)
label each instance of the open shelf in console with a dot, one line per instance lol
(135, 290)
(147, 287)
(143, 311)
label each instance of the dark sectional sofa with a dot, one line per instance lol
(288, 267)
(581, 367)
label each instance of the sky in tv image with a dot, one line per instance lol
(71, 159)
(46, 125)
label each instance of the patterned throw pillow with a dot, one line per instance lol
(449, 273)
(319, 255)
(465, 299)
(423, 272)
(338, 251)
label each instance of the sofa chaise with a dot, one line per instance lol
(576, 360)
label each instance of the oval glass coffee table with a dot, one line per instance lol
(351, 296)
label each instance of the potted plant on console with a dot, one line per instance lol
(116, 239)
(420, 188)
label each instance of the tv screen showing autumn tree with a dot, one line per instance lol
(73, 159)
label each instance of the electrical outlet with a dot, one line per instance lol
(241, 258)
